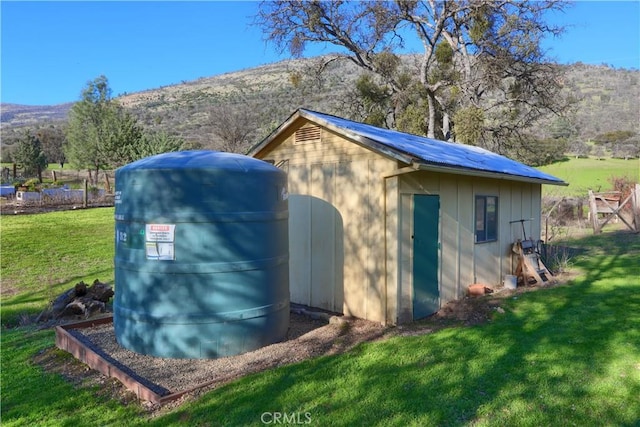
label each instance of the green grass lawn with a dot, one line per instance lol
(567, 355)
(589, 174)
(45, 254)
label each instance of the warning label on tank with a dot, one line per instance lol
(162, 251)
(159, 241)
(160, 232)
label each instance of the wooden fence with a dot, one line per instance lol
(605, 207)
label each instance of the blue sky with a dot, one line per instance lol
(49, 50)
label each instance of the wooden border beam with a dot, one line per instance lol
(67, 342)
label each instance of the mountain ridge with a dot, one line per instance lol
(608, 100)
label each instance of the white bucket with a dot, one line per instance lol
(510, 281)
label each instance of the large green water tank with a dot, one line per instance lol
(201, 255)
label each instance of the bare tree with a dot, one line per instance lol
(579, 148)
(233, 126)
(484, 54)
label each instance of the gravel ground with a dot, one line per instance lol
(307, 337)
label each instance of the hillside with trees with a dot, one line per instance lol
(233, 111)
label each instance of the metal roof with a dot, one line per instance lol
(425, 153)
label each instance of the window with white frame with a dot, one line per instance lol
(486, 218)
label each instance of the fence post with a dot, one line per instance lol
(107, 184)
(85, 194)
(593, 213)
(635, 208)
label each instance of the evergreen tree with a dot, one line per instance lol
(30, 156)
(100, 132)
(155, 143)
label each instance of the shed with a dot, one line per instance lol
(388, 226)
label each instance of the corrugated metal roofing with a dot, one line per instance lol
(427, 151)
(420, 152)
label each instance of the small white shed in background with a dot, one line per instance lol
(388, 226)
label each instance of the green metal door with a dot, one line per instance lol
(426, 296)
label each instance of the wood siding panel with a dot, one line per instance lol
(362, 207)
(299, 236)
(405, 291)
(375, 242)
(467, 234)
(392, 230)
(504, 228)
(450, 236)
(324, 217)
(352, 200)
(536, 210)
(516, 213)
(300, 258)
(527, 209)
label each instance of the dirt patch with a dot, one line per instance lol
(80, 375)
(308, 337)
(8, 290)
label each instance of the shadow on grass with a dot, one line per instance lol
(558, 356)
(544, 360)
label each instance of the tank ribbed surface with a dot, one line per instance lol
(201, 255)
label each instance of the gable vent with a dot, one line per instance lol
(307, 135)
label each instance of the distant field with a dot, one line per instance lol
(50, 167)
(589, 174)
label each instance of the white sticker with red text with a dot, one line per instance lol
(160, 232)
(159, 241)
